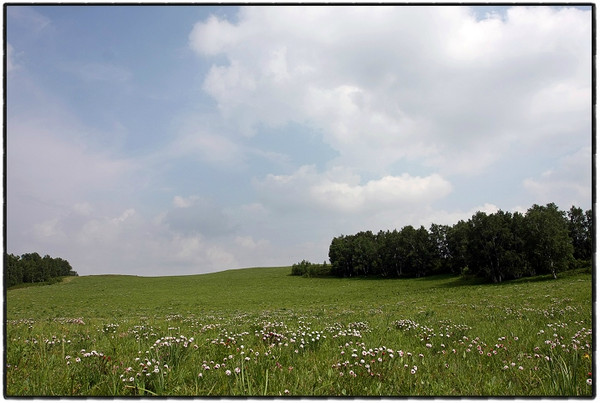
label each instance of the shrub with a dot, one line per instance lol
(308, 269)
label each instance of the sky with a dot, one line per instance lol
(174, 140)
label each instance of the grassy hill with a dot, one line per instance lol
(523, 338)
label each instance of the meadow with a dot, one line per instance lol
(262, 332)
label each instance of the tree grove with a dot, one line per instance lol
(497, 247)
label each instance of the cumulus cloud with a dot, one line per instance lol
(49, 175)
(341, 192)
(183, 202)
(130, 242)
(386, 84)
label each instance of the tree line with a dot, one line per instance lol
(32, 268)
(497, 247)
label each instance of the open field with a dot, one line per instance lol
(256, 332)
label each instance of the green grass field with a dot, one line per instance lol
(256, 332)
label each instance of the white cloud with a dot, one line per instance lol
(340, 192)
(207, 37)
(123, 217)
(49, 172)
(129, 242)
(388, 83)
(66, 195)
(182, 202)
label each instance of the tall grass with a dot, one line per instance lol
(261, 332)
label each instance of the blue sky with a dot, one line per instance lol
(168, 140)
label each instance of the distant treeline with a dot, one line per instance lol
(497, 247)
(32, 268)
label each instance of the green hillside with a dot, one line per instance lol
(522, 338)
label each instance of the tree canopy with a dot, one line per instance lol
(32, 268)
(497, 247)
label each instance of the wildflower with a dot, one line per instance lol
(589, 381)
(237, 370)
(287, 392)
(520, 368)
(228, 372)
